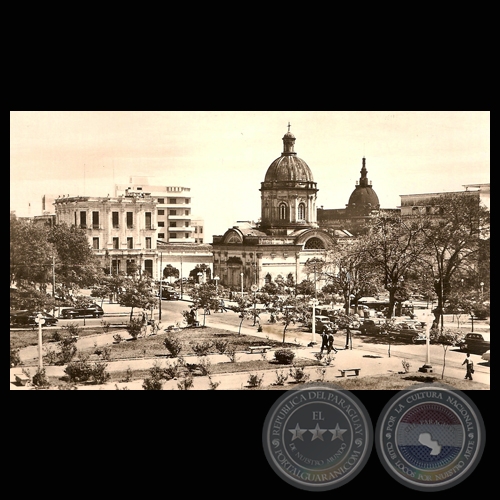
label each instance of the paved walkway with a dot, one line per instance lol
(372, 359)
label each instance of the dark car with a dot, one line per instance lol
(170, 295)
(474, 342)
(408, 332)
(94, 311)
(28, 318)
(370, 327)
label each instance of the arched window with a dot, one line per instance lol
(268, 278)
(301, 212)
(314, 243)
(282, 211)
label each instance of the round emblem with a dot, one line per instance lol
(254, 288)
(317, 438)
(430, 438)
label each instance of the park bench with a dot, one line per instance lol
(262, 348)
(22, 379)
(345, 370)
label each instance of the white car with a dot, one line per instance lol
(486, 356)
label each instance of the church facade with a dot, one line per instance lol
(287, 235)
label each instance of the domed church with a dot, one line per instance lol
(287, 235)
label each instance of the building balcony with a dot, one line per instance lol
(179, 217)
(182, 229)
(181, 240)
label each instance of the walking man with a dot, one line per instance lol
(330, 342)
(324, 342)
(469, 366)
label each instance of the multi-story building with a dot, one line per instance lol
(173, 211)
(121, 230)
(197, 223)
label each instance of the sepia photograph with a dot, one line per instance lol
(249, 250)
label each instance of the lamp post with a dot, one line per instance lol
(40, 320)
(241, 274)
(427, 367)
(481, 285)
(313, 329)
(216, 279)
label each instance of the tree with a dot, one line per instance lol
(453, 233)
(445, 338)
(170, 271)
(200, 268)
(391, 248)
(30, 253)
(241, 309)
(204, 297)
(76, 265)
(137, 292)
(28, 297)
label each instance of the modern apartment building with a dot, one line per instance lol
(173, 211)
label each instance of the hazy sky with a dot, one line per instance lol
(223, 156)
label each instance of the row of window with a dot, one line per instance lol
(173, 201)
(116, 243)
(115, 219)
(172, 212)
(301, 211)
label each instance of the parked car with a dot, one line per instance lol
(94, 311)
(321, 323)
(406, 332)
(371, 326)
(486, 356)
(474, 342)
(170, 294)
(28, 318)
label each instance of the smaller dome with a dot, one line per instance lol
(288, 135)
(363, 198)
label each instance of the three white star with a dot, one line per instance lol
(317, 433)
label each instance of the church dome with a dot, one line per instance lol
(363, 199)
(288, 167)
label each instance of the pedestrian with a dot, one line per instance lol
(222, 306)
(324, 342)
(469, 366)
(207, 310)
(330, 342)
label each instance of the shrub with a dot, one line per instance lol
(50, 357)
(98, 372)
(185, 383)
(205, 366)
(128, 375)
(281, 377)
(78, 371)
(221, 346)
(134, 327)
(117, 338)
(298, 374)
(254, 380)
(201, 348)
(321, 370)
(406, 365)
(173, 345)
(231, 354)
(106, 325)
(40, 378)
(15, 359)
(284, 356)
(72, 329)
(173, 371)
(68, 350)
(57, 336)
(151, 384)
(212, 386)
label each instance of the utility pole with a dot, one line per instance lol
(54, 284)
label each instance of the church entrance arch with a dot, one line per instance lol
(234, 269)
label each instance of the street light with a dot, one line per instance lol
(241, 274)
(216, 279)
(40, 320)
(481, 285)
(313, 329)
